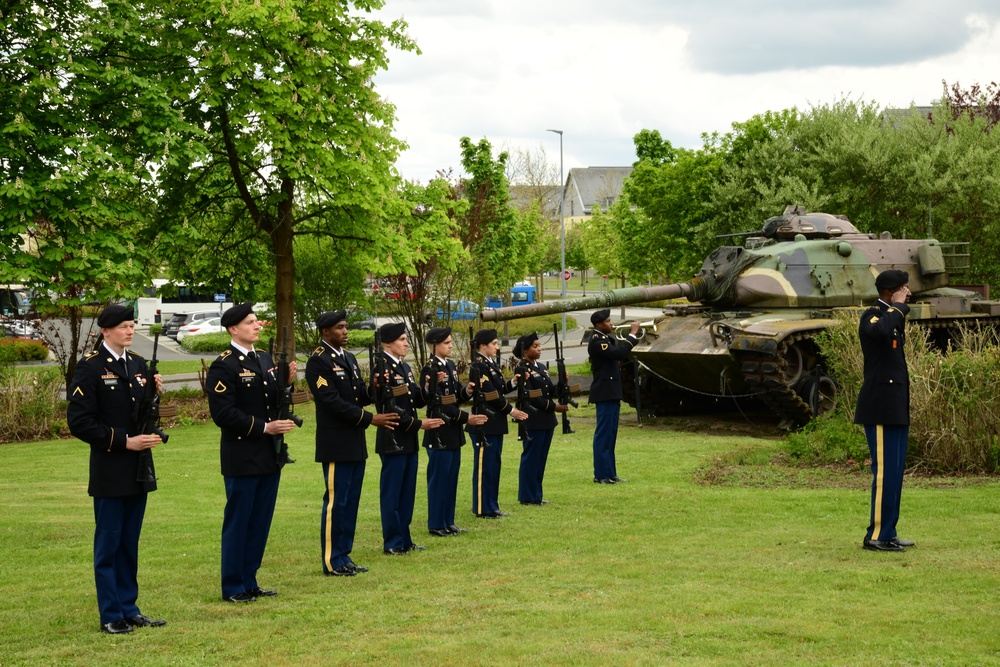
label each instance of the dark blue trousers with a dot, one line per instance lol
(397, 488)
(605, 436)
(116, 555)
(887, 445)
(339, 518)
(442, 486)
(534, 454)
(246, 523)
(486, 474)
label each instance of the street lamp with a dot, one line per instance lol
(562, 228)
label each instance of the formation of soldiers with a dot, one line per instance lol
(244, 387)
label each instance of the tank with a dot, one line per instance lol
(753, 312)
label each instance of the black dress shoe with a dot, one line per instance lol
(395, 552)
(604, 480)
(499, 513)
(491, 515)
(342, 571)
(455, 530)
(261, 593)
(618, 480)
(440, 532)
(357, 568)
(876, 545)
(140, 621)
(416, 547)
(902, 543)
(241, 597)
(118, 627)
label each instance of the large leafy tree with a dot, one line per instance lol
(296, 141)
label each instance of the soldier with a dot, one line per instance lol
(340, 393)
(538, 427)
(487, 455)
(884, 405)
(606, 354)
(398, 448)
(106, 386)
(444, 454)
(242, 396)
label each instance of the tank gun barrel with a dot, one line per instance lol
(692, 289)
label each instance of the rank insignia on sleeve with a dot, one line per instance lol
(321, 382)
(874, 319)
(78, 392)
(604, 346)
(219, 387)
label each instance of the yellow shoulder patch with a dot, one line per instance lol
(78, 392)
(604, 346)
(92, 355)
(220, 387)
(321, 382)
(225, 354)
(318, 350)
(874, 319)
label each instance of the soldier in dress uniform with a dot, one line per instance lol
(884, 405)
(242, 396)
(106, 386)
(487, 455)
(444, 453)
(606, 355)
(340, 394)
(398, 448)
(538, 427)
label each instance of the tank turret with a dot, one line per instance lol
(753, 311)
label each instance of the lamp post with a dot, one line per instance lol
(562, 228)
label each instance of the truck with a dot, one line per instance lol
(520, 295)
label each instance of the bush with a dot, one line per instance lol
(829, 439)
(953, 422)
(155, 329)
(210, 342)
(31, 404)
(22, 349)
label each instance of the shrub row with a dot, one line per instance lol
(32, 405)
(22, 349)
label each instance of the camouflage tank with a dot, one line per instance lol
(756, 309)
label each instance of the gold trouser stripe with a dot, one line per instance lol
(879, 479)
(479, 477)
(328, 523)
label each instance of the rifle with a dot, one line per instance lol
(146, 417)
(564, 389)
(436, 402)
(285, 389)
(384, 394)
(524, 394)
(479, 404)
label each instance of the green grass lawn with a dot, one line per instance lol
(660, 570)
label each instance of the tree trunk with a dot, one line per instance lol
(284, 266)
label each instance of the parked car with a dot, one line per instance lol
(19, 329)
(174, 324)
(458, 310)
(360, 320)
(198, 327)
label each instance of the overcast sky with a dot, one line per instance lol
(601, 70)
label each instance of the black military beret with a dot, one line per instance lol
(484, 336)
(437, 335)
(112, 316)
(391, 331)
(236, 314)
(891, 279)
(523, 343)
(600, 316)
(329, 318)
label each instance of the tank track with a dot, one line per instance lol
(766, 374)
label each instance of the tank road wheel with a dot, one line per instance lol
(794, 366)
(820, 392)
